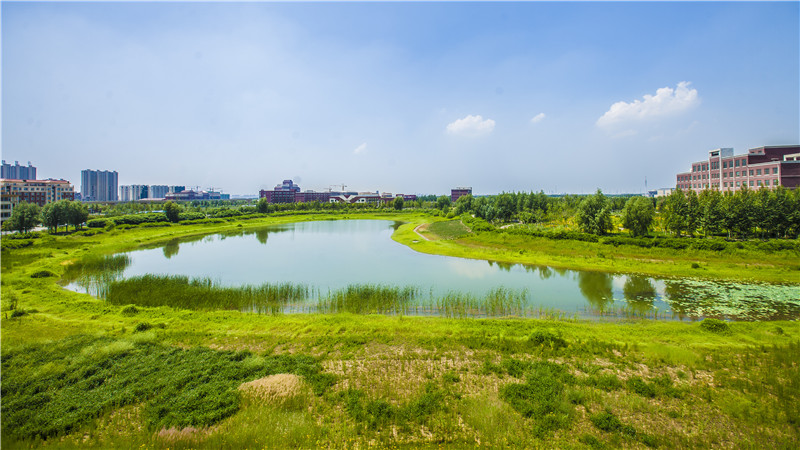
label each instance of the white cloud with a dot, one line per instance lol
(471, 126)
(667, 101)
(538, 118)
(360, 149)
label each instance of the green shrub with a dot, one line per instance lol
(546, 338)
(43, 274)
(542, 397)
(6, 244)
(715, 326)
(143, 326)
(641, 387)
(99, 223)
(129, 310)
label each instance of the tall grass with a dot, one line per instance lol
(95, 273)
(369, 299)
(205, 294)
(498, 302)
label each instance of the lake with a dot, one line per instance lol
(330, 256)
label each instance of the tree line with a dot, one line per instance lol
(26, 216)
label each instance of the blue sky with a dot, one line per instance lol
(397, 97)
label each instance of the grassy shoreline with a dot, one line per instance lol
(373, 380)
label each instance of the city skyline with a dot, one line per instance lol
(413, 98)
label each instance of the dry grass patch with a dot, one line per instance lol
(282, 389)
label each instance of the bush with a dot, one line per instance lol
(43, 274)
(190, 216)
(6, 244)
(98, 223)
(541, 338)
(144, 326)
(715, 326)
(641, 387)
(129, 310)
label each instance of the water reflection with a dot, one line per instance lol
(640, 293)
(171, 248)
(596, 287)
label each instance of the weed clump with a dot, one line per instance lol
(641, 387)
(546, 338)
(542, 397)
(130, 310)
(43, 274)
(715, 326)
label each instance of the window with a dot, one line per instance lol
(738, 183)
(774, 170)
(738, 173)
(775, 182)
(758, 171)
(737, 163)
(751, 174)
(744, 162)
(751, 182)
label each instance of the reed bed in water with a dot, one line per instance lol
(369, 299)
(496, 303)
(204, 294)
(207, 294)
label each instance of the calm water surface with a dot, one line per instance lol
(330, 255)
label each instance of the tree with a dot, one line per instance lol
(464, 204)
(712, 214)
(173, 211)
(262, 206)
(443, 203)
(693, 212)
(398, 203)
(638, 215)
(55, 214)
(76, 213)
(594, 214)
(504, 206)
(675, 210)
(24, 217)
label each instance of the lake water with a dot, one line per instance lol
(331, 255)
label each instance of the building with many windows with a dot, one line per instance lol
(17, 172)
(40, 192)
(459, 192)
(760, 167)
(99, 186)
(134, 192)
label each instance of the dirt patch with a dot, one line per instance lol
(174, 435)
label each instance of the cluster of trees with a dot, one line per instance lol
(744, 213)
(26, 216)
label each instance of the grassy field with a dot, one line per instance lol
(451, 238)
(81, 372)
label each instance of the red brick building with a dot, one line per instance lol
(762, 166)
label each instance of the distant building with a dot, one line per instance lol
(760, 167)
(459, 192)
(134, 192)
(288, 192)
(157, 191)
(189, 194)
(17, 172)
(99, 186)
(41, 192)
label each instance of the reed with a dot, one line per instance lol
(369, 299)
(204, 294)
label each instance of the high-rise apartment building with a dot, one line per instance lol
(459, 192)
(133, 192)
(99, 186)
(17, 172)
(158, 191)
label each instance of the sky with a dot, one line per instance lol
(412, 98)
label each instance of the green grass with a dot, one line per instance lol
(77, 373)
(450, 229)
